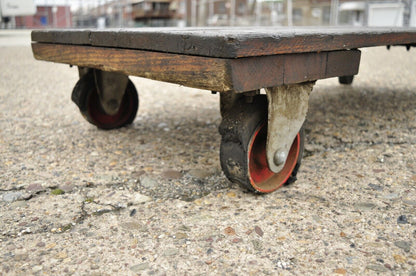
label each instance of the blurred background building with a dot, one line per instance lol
(181, 13)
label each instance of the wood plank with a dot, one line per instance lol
(257, 72)
(232, 42)
(305, 67)
(326, 41)
(192, 71)
(341, 64)
(215, 74)
(270, 71)
(69, 36)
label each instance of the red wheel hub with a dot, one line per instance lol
(105, 121)
(261, 177)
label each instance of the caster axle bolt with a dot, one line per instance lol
(279, 158)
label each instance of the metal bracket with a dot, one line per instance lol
(288, 105)
(110, 87)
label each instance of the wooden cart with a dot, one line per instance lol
(262, 135)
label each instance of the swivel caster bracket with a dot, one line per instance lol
(110, 87)
(287, 108)
(107, 100)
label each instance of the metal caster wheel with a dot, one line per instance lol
(85, 96)
(243, 148)
(346, 80)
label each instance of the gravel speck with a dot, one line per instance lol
(139, 267)
(391, 196)
(35, 188)
(403, 245)
(364, 206)
(37, 268)
(170, 252)
(171, 174)
(148, 182)
(409, 202)
(257, 245)
(376, 267)
(12, 196)
(199, 173)
(402, 219)
(376, 187)
(283, 264)
(259, 231)
(139, 198)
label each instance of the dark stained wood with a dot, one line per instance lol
(306, 67)
(192, 71)
(232, 42)
(269, 71)
(340, 63)
(74, 37)
(257, 72)
(215, 74)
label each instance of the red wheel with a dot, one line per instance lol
(261, 177)
(243, 148)
(86, 97)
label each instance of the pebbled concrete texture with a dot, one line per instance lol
(150, 199)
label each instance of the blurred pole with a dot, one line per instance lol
(67, 14)
(232, 13)
(193, 13)
(54, 15)
(202, 15)
(334, 12)
(211, 11)
(289, 13)
(258, 12)
(120, 14)
(274, 14)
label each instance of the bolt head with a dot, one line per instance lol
(279, 158)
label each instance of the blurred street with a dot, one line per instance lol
(151, 199)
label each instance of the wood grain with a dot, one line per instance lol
(233, 42)
(216, 74)
(192, 71)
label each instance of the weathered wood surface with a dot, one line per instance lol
(192, 71)
(217, 74)
(269, 71)
(232, 42)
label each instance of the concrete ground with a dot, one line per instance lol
(151, 199)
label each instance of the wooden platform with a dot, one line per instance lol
(219, 59)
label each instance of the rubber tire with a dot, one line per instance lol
(237, 127)
(347, 80)
(85, 96)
